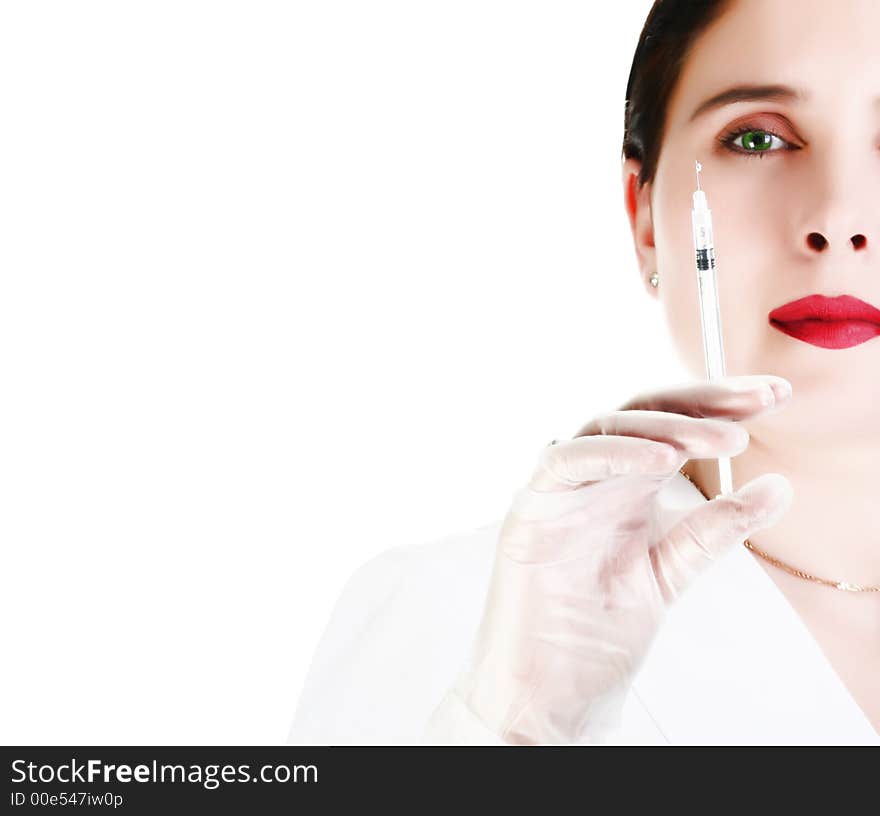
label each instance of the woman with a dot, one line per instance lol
(618, 601)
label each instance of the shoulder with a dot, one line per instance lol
(453, 553)
(416, 576)
(466, 557)
(397, 636)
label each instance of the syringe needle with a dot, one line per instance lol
(699, 167)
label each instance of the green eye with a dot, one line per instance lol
(755, 142)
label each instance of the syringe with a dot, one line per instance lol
(710, 312)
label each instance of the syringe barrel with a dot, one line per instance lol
(710, 319)
(704, 241)
(707, 286)
(710, 312)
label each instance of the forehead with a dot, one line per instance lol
(816, 45)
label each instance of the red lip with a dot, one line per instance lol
(835, 323)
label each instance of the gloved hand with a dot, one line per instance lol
(583, 576)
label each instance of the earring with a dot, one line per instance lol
(654, 280)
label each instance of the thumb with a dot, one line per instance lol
(712, 529)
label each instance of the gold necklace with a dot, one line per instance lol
(844, 585)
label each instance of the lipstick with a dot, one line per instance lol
(828, 322)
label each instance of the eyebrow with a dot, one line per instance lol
(746, 93)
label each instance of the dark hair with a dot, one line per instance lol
(668, 35)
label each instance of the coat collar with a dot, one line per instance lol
(735, 664)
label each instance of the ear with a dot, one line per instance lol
(638, 209)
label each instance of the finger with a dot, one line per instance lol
(706, 533)
(692, 437)
(737, 397)
(585, 459)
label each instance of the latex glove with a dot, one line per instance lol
(583, 576)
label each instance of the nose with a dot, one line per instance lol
(840, 205)
(818, 242)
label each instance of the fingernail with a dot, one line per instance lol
(766, 395)
(775, 492)
(781, 388)
(742, 436)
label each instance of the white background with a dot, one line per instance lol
(284, 285)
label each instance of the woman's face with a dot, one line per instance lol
(799, 217)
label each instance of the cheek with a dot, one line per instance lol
(743, 255)
(751, 283)
(743, 316)
(682, 310)
(678, 286)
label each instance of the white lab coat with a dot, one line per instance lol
(733, 664)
